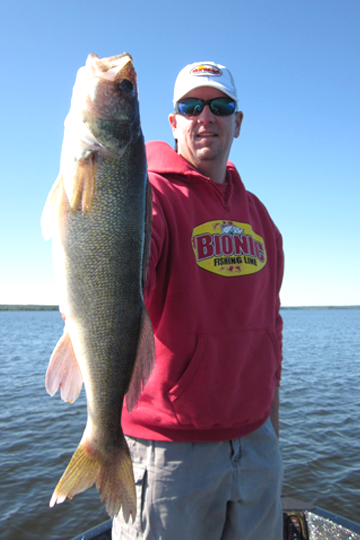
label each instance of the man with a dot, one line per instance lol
(205, 452)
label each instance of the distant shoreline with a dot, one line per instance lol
(320, 307)
(27, 307)
(34, 307)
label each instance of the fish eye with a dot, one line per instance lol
(127, 87)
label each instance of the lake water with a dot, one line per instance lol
(320, 422)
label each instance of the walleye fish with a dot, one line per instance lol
(99, 216)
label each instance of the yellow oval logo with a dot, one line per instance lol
(228, 248)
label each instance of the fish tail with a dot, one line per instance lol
(112, 473)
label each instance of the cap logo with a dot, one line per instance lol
(206, 70)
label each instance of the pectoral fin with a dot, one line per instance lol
(76, 195)
(82, 184)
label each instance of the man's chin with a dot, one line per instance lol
(207, 153)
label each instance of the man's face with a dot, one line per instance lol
(205, 140)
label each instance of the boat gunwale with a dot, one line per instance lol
(103, 530)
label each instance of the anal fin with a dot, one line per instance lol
(64, 371)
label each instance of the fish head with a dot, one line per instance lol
(104, 113)
(111, 109)
(112, 88)
(103, 120)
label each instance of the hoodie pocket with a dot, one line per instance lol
(230, 380)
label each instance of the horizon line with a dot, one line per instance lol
(54, 307)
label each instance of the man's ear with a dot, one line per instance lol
(172, 120)
(238, 121)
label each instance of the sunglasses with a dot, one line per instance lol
(220, 106)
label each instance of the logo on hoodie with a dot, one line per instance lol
(228, 248)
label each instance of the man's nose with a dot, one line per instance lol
(206, 113)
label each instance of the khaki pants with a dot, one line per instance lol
(206, 491)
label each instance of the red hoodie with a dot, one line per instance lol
(212, 292)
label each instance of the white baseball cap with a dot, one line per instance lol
(204, 74)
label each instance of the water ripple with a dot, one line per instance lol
(320, 427)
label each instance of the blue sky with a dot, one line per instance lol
(297, 68)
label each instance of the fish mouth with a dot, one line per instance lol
(114, 67)
(117, 60)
